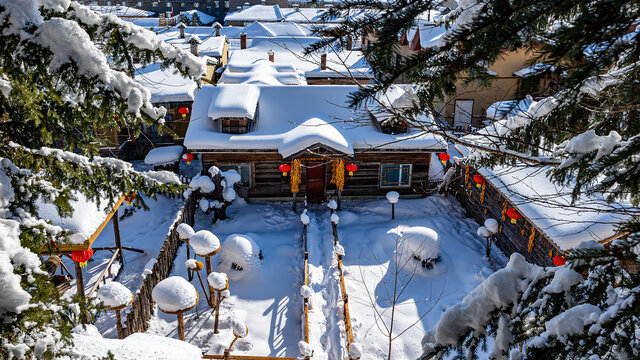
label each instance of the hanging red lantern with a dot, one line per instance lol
(559, 260)
(129, 198)
(82, 256)
(184, 111)
(284, 169)
(444, 157)
(513, 214)
(351, 168)
(188, 158)
(478, 179)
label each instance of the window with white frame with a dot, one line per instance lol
(243, 169)
(395, 175)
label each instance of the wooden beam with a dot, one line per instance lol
(79, 279)
(116, 233)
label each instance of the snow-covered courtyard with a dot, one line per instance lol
(267, 296)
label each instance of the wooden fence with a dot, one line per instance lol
(343, 289)
(306, 282)
(142, 307)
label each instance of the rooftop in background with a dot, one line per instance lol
(292, 118)
(274, 13)
(269, 13)
(205, 19)
(262, 72)
(165, 85)
(211, 45)
(121, 11)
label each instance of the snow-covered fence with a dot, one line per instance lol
(343, 288)
(305, 221)
(142, 307)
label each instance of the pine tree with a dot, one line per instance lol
(587, 130)
(195, 19)
(58, 84)
(183, 19)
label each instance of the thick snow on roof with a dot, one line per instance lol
(235, 102)
(503, 109)
(265, 29)
(303, 15)
(164, 155)
(262, 73)
(205, 19)
(256, 13)
(289, 50)
(210, 44)
(119, 10)
(165, 85)
(548, 205)
(135, 346)
(84, 221)
(293, 117)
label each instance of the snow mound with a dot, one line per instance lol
(305, 349)
(393, 196)
(185, 231)
(218, 281)
(421, 242)
(231, 177)
(206, 185)
(304, 217)
(335, 218)
(135, 346)
(483, 231)
(204, 243)
(332, 205)
(113, 295)
(571, 322)
(174, 294)
(355, 350)
(562, 281)
(87, 330)
(589, 245)
(164, 155)
(240, 255)
(306, 291)
(239, 328)
(492, 225)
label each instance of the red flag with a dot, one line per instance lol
(172, 11)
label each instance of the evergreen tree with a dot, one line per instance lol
(195, 19)
(183, 19)
(587, 130)
(58, 84)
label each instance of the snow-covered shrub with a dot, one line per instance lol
(231, 177)
(229, 194)
(239, 328)
(218, 281)
(185, 231)
(240, 255)
(204, 243)
(483, 231)
(174, 294)
(420, 244)
(492, 225)
(113, 295)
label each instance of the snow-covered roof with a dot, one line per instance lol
(256, 13)
(289, 50)
(503, 109)
(262, 73)
(238, 101)
(266, 29)
(303, 15)
(534, 69)
(291, 118)
(205, 19)
(119, 10)
(165, 85)
(164, 155)
(209, 45)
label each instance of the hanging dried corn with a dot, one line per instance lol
(531, 237)
(482, 194)
(296, 173)
(337, 174)
(504, 210)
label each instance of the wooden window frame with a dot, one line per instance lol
(400, 166)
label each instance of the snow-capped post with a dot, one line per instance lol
(272, 56)
(334, 225)
(181, 26)
(175, 295)
(185, 232)
(491, 227)
(332, 205)
(240, 330)
(194, 41)
(220, 283)
(306, 352)
(323, 61)
(196, 266)
(355, 351)
(243, 41)
(116, 297)
(393, 197)
(206, 245)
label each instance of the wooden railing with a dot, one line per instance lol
(142, 307)
(106, 272)
(343, 289)
(306, 282)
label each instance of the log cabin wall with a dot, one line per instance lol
(268, 181)
(512, 237)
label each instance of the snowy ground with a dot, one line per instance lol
(269, 300)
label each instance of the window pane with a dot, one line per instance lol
(395, 175)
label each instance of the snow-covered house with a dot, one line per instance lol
(313, 134)
(121, 11)
(246, 16)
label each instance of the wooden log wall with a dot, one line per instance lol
(512, 237)
(142, 307)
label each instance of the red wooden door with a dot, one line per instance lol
(315, 181)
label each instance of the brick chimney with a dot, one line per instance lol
(243, 40)
(272, 56)
(323, 62)
(349, 43)
(181, 26)
(194, 48)
(217, 26)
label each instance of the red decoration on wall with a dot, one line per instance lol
(479, 180)
(82, 256)
(444, 157)
(559, 260)
(513, 214)
(184, 111)
(188, 158)
(284, 169)
(351, 168)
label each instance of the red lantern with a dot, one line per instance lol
(129, 198)
(444, 157)
(188, 157)
(559, 260)
(513, 214)
(284, 169)
(351, 168)
(82, 256)
(184, 111)
(478, 179)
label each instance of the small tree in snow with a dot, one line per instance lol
(195, 19)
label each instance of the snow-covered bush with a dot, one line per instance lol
(492, 225)
(218, 281)
(114, 295)
(420, 244)
(239, 328)
(240, 256)
(174, 294)
(204, 243)
(185, 231)
(483, 232)
(231, 177)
